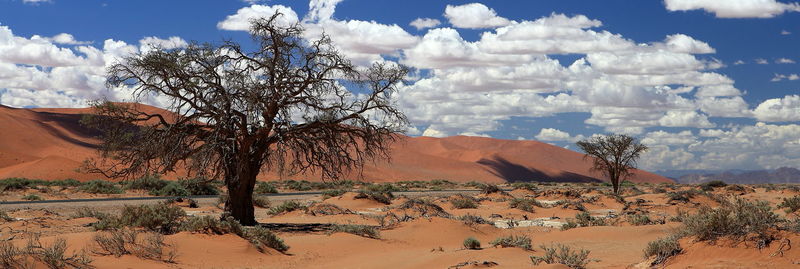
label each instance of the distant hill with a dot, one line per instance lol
(51, 144)
(780, 175)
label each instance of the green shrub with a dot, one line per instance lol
(161, 217)
(199, 186)
(356, 229)
(521, 241)
(662, 249)
(639, 219)
(287, 206)
(86, 212)
(100, 187)
(32, 197)
(716, 184)
(472, 243)
(424, 208)
(264, 188)
(791, 204)
(472, 220)
(562, 254)
(524, 204)
(740, 220)
(585, 220)
(171, 189)
(150, 183)
(381, 197)
(525, 186)
(15, 183)
(682, 196)
(211, 225)
(64, 183)
(261, 237)
(735, 188)
(489, 188)
(570, 224)
(333, 193)
(261, 202)
(462, 202)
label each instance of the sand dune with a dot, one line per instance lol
(50, 143)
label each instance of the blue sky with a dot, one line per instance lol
(581, 68)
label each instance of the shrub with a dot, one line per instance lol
(384, 188)
(126, 241)
(680, 215)
(54, 256)
(424, 208)
(489, 188)
(171, 189)
(100, 187)
(161, 217)
(715, 184)
(735, 188)
(32, 197)
(4, 216)
(356, 229)
(659, 190)
(563, 254)
(199, 186)
(287, 206)
(86, 212)
(261, 202)
(521, 241)
(15, 183)
(570, 224)
(525, 186)
(662, 249)
(472, 220)
(791, 205)
(381, 197)
(150, 183)
(472, 243)
(740, 220)
(264, 188)
(317, 209)
(333, 193)
(65, 183)
(681, 196)
(524, 204)
(211, 225)
(585, 220)
(261, 237)
(639, 219)
(462, 202)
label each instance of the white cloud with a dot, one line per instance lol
(738, 62)
(784, 32)
(241, 20)
(474, 16)
(67, 39)
(734, 8)
(686, 44)
(151, 42)
(550, 134)
(781, 77)
(36, 2)
(762, 61)
(779, 109)
(784, 61)
(424, 23)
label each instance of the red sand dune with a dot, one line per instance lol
(51, 144)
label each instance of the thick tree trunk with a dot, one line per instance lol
(240, 196)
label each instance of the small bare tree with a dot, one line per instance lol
(614, 155)
(292, 104)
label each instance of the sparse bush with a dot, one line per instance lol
(662, 249)
(86, 212)
(14, 183)
(659, 190)
(791, 204)
(740, 220)
(525, 186)
(680, 215)
(472, 243)
(716, 184)
(735, 188)
(199, 186)
(381, 197)
(356, 229)
(585, 220)
(524, 204)
(570, 224)
(463, 202)
(145, 245)
(424, 208)
(171, 189)
(639, 219)
(264, 188)
(287, 206)
(261, 202)
(563, 254)
(53, 256)
(326, 209)
(472, 220)
(333, 193)
(384, 188)
(32, 197)
(489, 188)
(681, 196)
(4, 216)
(521, 241)
(100, 187)
(114, 242)
(161, 217)
(261, 237)
(150, 183)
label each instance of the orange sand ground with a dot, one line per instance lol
(432, 242)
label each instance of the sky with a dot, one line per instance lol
(706, 84)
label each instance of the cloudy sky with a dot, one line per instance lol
(707, 84)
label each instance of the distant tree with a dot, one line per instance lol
(290, 104)
(613, 155)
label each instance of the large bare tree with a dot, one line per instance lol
(613, 155)
(289, 104)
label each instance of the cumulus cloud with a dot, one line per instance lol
(735, 8)
(779, 109)
(761, 61)
(67, 39)
(781, 77)
(241, 20)
(551, 134)
(36, 2)
(474, 16)
(424, 23)
(784, 61)
(784, 32)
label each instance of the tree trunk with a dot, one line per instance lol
(240, 196)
